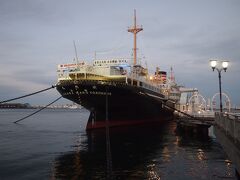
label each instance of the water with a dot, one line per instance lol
(54, 145)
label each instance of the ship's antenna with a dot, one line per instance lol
(95, 55)
(135, 29)
(172, 78)
(75, 52)
(146, 65)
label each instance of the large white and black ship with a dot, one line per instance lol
(119, 92)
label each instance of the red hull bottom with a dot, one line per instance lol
(103, 124)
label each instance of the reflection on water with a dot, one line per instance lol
(144, 153)
(54, 144)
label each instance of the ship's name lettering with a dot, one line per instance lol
(93, 92)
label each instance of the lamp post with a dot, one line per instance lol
(215, 65)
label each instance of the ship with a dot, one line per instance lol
(119, 91)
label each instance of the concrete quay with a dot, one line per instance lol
(227, 131)
(230, 124)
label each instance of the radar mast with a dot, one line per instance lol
(135, 29)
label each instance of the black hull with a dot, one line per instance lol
(120, 104)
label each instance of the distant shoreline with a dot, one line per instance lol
(28, 106)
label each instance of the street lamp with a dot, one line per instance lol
(215, 65)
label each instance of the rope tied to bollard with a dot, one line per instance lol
(20, 97)
(38, 110)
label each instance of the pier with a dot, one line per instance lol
(227, 131)
(195, 124)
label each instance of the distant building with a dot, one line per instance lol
(14, 106)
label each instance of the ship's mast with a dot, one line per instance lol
(135, 29)
(76, 55)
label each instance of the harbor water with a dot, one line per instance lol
(54, 145)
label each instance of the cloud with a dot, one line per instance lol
(35, 36)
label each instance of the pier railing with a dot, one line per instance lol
(230, 123)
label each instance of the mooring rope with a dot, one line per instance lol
(38, 110)
(20, 97)
(170, 107)
(165, 104)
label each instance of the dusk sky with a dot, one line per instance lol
(37, 35)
